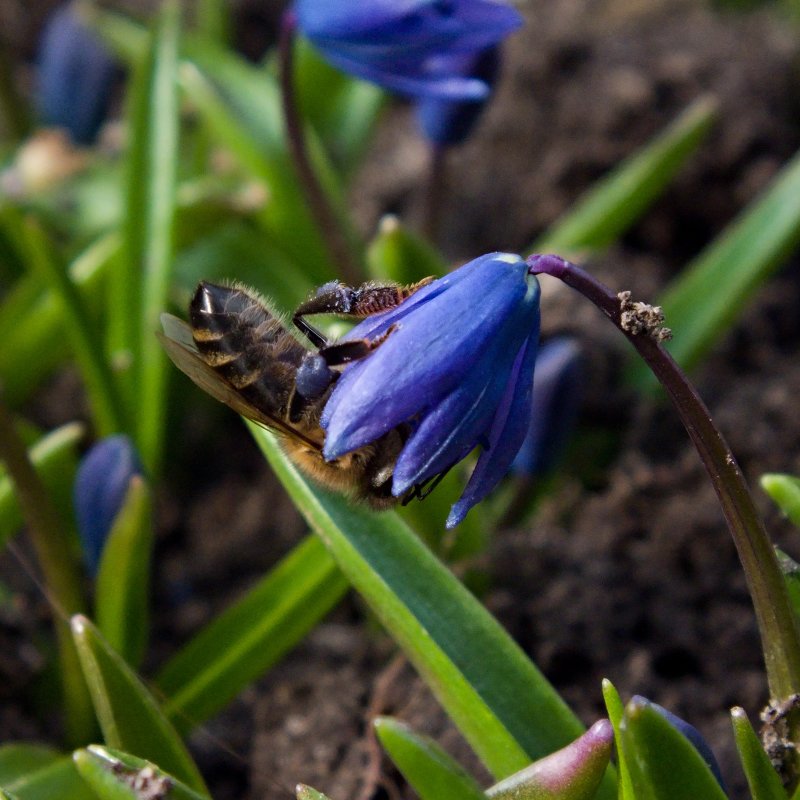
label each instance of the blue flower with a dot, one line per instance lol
(449, 122)
(556, 400)
(404, 45)
(457, 368)
(99, 492)
(690, 732)
(75, 77)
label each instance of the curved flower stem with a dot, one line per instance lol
(776, 621)
(324, 215)
(435, 192)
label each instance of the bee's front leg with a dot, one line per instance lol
(360, 302)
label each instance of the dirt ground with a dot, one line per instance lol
(629, 574)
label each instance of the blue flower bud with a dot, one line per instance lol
(99, 492)
(76, 75)
(405, 46)
(691, 733)
(447, 122)
(556, 400)
(457, 369)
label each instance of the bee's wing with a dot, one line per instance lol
(180, 347)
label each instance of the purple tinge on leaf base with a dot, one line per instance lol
(450, 122)
(557, 390)
(101, 485)
(572, 773)
(457, 368)
(404, 45)
(75, 76)
(690, 732)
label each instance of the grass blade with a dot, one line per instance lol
(499, 700)
(709, 294)
(59, 779)
(761, 777)
(129, 716)
(598, 218)
(248, 638)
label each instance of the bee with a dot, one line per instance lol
(239, 352)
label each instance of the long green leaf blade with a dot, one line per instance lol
(618, 200)
(709, 294)
(129, 716)
(499, 700)
(616, 711)
(761, 777)
(429, 770)
(250, 636)
(58, 779)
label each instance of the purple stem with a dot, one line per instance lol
(330, 226)
(776, 621)
(435, 192)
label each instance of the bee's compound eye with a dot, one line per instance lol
(314, 376)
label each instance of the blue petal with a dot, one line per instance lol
(426, 357)
(507, 433)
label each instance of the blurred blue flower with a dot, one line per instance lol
(556, 400)
(691, 733)
(405, 45)
(75, 77)
(449, 122)
(100, 487)
(457, 368)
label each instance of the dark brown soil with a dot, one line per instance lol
(631, 575)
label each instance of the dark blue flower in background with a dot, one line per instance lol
(449, 122)
(75, 76)
(690, 732)
(457, 367)
(405, 45)
(557, 390)
(101, 484)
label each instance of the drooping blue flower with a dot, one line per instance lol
(690, 732)
(449, 122)
(556, 400)
(75, 76)
(101, 484)
(457, 368)
(405, 45)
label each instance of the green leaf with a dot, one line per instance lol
(129, 716)
(761, 777)
(54, 457)
(113, 775)
(307, 793)
(252, 635)
(430, 771)
(615, 713)
(397, 254)
(495, 695)
(664, 764)
(707, 297)
(123, 578)
(17, 760)
(55, 778)
(139, 288)
(609, 208)
(785, 492)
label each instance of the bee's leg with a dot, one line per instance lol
(360, 302)
(314, 375)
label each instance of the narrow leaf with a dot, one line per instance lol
(17, 760)
(252, 635)
(397, 254)
(123, 578)
(785, 492)
(664, 764)
(120, 776)
(54, 457)
(761, 777)
(609, 208)
(58, 779)
(496, 696)
(616, 710)
(129, 716)
(307, 793)
(430, 771)
(707, 297)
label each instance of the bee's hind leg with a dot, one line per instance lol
(360, 302)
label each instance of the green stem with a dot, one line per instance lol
(776, 621)
(339, 248)
(59, 570)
